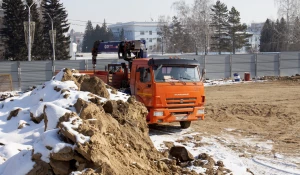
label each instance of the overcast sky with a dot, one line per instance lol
(143, 10)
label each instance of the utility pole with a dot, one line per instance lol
(52, 32)
(53, 41)
(29, 31)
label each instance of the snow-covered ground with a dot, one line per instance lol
(232, 160)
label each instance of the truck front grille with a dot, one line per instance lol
(181, 101)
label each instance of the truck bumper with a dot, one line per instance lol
(166, 115)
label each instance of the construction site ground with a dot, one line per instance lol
(258, 121)
(262, 111)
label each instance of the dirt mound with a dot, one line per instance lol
(86, 83)
(109, 137)
(281, 78)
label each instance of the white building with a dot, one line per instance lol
(255, 30)
(137, 31)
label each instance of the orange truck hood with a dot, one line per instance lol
(178, 94)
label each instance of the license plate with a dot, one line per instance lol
(181, 118)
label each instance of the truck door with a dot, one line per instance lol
(144, 85)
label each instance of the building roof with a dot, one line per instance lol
(133, 23)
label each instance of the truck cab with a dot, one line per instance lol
(171, 89)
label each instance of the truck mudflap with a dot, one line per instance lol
(168, 115)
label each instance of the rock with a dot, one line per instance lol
(198, 163)
(220, 163)
(66, 96)
(37, 119)
(40, 167)
(60, 167)
(22, 124)
(64, 90)
(114, 91)
(14, 113)
(65, 154)
(110, 106)
(131, 100)
(203, 156)
(57, 89)
(181, 153)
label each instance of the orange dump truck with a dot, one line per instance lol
(171, 89)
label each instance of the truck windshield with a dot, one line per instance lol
(176, 73)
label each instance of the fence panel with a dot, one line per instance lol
(12, 69)
(217, 66)
(242, 64)
(268, 64)
(290, 63)
(101, 63)
(34, 73)
(72, 64)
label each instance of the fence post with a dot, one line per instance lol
(230, 61)
(204, 60)
(19, 75)
(279, 64)
(86, 65)
(255, 59)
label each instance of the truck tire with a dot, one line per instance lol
(185, 124)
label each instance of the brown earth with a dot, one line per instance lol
(255, 111)
(119, 138)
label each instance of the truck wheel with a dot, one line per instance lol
(185, 124)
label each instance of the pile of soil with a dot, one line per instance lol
(281, 78)
(119, 142)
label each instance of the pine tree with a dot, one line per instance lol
(177, 38)
(13, 31)
(37, 47)
(237, 31)
(266, 37)
(283, 36)
(122, 35)
(97, 34)
(60, 23)
(87, 43)
(219, 23)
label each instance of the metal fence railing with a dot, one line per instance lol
(25, 74)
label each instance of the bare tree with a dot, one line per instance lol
(195, 18)
(164, 32)
(290, 10)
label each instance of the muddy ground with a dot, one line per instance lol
(248, 113)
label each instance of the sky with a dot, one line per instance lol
(113, 11)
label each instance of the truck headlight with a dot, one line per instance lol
(200, 111)
(158, 113)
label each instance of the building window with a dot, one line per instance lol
(142, 33)
(150, 32)
(150, 40)
(142, 38)
(150, 47)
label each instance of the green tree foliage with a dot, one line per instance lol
(177, 39)
(220, 39)
(237, 31)
(88, 39)
(274, 36)
(13, 31)
(92, 34)
(60, 23)
(266, 37)
(122, 35)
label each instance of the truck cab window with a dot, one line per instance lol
(145, 75)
